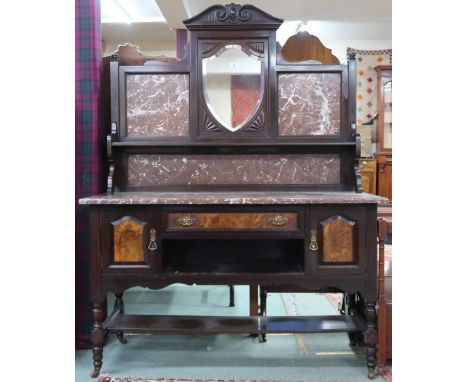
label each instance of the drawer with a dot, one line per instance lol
(276, 221)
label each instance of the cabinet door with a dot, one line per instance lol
(337, 239)
(130, 240)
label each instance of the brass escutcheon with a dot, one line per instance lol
(186, 220)
(278, 220)
(152, 246)
(313, 240)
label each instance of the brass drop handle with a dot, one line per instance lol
(152, 246)
(278, 220)
(313, 240)
(186, 220)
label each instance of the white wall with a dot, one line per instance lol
(157, 48)
(338, 47)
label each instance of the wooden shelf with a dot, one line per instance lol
(239, 256)
(241, 143)
(233, 325)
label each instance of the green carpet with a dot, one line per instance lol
(309, 357)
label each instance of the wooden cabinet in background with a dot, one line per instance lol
(384, 131)
(368, 168)
(384, 175)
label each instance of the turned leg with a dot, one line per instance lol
(231, 295)
(119, 304)
(371, 338)
(262, 312)
(97, 337)
(263, 300)
(253, 303)
(350, 306)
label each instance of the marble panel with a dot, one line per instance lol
(149, 170)
(309, 104)
(157, 105)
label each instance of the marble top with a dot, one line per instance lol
(234, 197)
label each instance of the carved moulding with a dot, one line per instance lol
(209, 125)
(256, 126)
(232, 15)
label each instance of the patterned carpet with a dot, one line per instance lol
(108, 378)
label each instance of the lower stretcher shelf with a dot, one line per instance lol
(227, 324)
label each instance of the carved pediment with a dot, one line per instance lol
(233, 16)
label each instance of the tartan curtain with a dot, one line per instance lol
(88, 176)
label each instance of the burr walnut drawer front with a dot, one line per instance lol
(233, 221)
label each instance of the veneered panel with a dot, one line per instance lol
(309, 104)
(338, 240)
(157, 105)
(233, 220)
(149, 170)
(128, 240)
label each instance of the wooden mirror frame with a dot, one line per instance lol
(230, 24)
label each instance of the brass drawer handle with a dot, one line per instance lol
(278, 220)
(152, 246)
(186, 220)
(313, 240)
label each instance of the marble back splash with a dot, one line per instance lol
(157, 105)
(151, 170)
(309, 104)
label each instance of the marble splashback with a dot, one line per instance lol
(309, 104)
(157, 105)
(149, 170)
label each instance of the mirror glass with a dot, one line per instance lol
(388, 115)
(232, 85)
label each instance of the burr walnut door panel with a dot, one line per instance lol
(130, 240)
(336, 240)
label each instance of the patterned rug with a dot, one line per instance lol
(108, 378)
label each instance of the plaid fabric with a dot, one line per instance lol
(181, 40)
(87, 146)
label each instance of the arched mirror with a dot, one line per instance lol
(232, 85)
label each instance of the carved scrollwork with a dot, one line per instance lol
(357, 174)
(233, 13)
(258, 124)
(209, 125)
(208, 47)
(110, 177)
(230, 15)
(257, 47)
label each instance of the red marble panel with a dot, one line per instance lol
(309, 104)
(157, 105)
(149, 170)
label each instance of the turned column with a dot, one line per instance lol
(97, 337)
(371, 338)
(382, 314)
